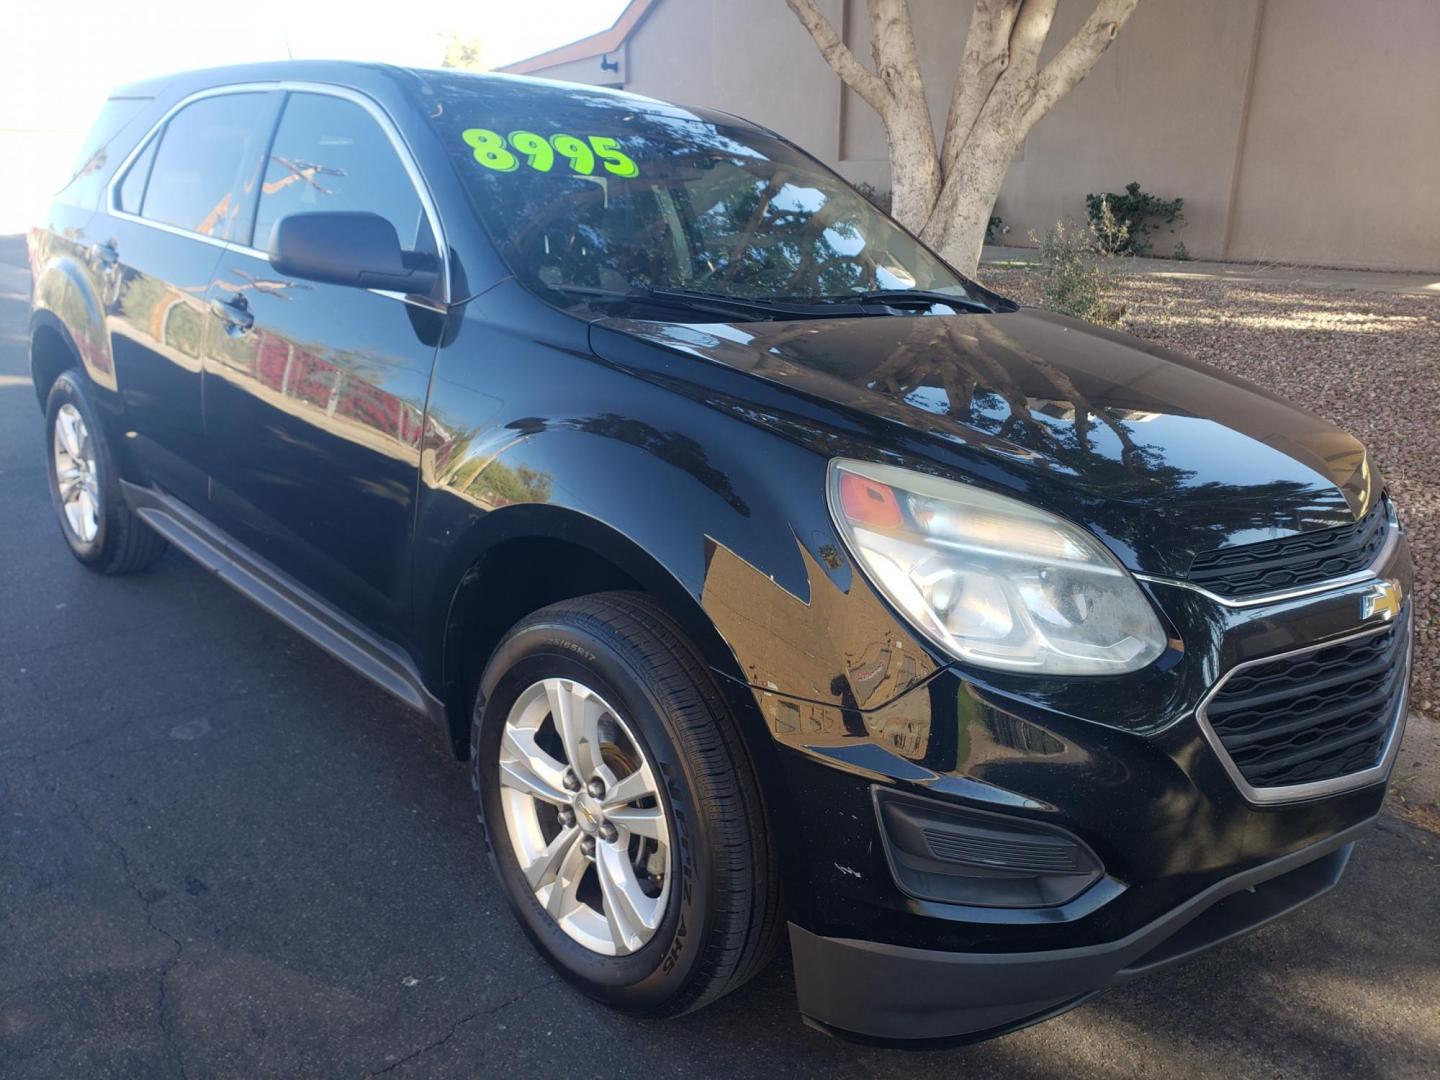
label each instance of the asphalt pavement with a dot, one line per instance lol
(223, 854)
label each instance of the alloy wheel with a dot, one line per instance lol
(76, 473)
(584, 816)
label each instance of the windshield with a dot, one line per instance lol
(593, 197)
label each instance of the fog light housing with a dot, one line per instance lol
(956, 855)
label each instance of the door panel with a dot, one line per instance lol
(176, 205)
(315, 394)
(156, 318)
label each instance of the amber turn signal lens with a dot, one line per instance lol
(869, 502)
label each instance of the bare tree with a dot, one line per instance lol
(945, 192)
(465, 53)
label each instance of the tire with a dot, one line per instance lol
(717, 919)
(99, 528)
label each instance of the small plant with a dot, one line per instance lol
(1075, 268)
(1182, 253)
(1140, 212)
(995, 228)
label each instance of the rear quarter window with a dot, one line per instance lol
(110, 138)
(131, 192)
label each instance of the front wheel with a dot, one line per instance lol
(100, 529)
(623, 816)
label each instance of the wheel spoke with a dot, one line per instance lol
(627, 909)
(81, 512)
(68, 481)
(525, 767)
(561, 898)
(66, 422)
(637, 785)
(642, 821)
(544, 868)
(577, 714)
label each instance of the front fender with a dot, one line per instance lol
(717, 508)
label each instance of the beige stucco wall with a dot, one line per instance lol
(1342, 153)
(743, 57)
(1295, 130)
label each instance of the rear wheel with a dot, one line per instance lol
(100, 529)
(623, 816)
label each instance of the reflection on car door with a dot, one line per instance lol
(172, 209)
(315, 393)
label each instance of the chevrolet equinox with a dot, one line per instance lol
(776, 580)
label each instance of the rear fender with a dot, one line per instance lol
(66, 297)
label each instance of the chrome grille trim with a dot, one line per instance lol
(1267, 796)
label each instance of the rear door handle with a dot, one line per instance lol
(104, 255)
(235, 314)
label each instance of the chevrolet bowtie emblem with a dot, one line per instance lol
(1383, 599)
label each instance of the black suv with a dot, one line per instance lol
(773, 577)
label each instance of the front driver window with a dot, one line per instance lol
(330, 154)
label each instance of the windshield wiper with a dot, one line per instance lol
(696, 300)
(900, 298)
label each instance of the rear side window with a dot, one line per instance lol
(102, 147)
(201, 152)
(331, 154)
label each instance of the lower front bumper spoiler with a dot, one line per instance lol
(892, 994)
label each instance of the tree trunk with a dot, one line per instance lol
(946, 194)
(956, 228)
(914, 171)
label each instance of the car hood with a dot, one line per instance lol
(1150, 448)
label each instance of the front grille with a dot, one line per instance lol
(1294, 562)
(1316, 716)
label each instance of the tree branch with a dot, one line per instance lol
(892, 44)
(1032, 27)
(842, 61)
(1073, 62)
(986, 56)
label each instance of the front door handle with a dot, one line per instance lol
(235, 314)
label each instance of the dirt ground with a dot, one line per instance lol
(1369, 362)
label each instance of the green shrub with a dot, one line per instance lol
(1139, 212)
(1075, 268)
(995, 228)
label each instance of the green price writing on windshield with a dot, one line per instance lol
(504, 153)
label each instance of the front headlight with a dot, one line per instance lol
(990, 579)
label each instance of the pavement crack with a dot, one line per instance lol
(458, 1024)
(147, 905)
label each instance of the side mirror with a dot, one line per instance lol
(342, 247)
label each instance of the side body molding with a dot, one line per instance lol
(382, 662)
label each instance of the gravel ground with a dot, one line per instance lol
(1366, 361)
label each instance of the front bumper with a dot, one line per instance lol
(891, 994)
(1123, 767)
